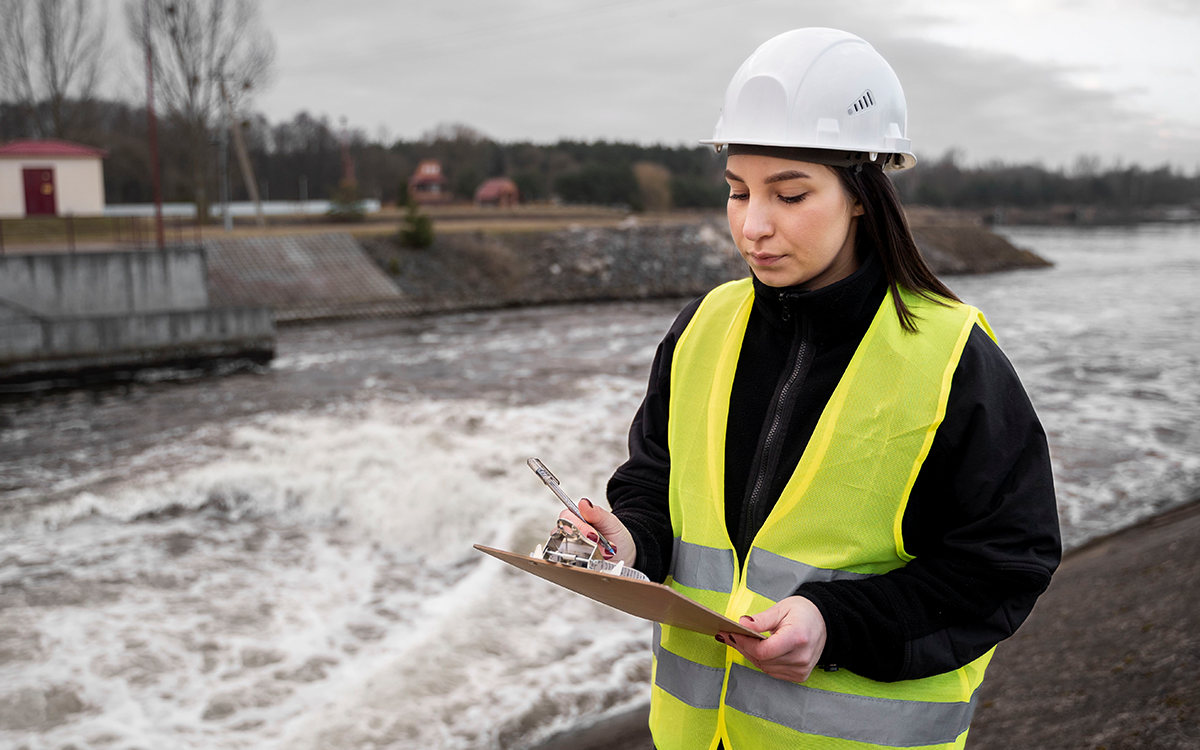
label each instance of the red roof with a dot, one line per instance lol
(428, 171)
(494, 188)
(49, 147)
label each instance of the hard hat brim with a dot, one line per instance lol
(833, 157)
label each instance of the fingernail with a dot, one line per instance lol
(608, 555)
(593, 537)
(732, 641)
(719, 638)
(748, 617)
(583, 500)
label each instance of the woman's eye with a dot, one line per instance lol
(793, 198)
(738, 196)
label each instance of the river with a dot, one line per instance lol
(281, 558)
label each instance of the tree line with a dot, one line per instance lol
(302, 158)
(945, 182)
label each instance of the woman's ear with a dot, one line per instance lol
(857, 208)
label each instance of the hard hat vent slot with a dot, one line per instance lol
(861, 104)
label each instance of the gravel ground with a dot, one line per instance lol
(1110, 657)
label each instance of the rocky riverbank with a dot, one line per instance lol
(636, 260)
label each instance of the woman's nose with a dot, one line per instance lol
(758, 222)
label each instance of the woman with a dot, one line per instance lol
(835, 450)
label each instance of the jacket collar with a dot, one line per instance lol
(839, 306)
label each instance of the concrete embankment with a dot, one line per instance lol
(85, 315)
(301, 277)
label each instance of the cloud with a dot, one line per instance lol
(656, 70)
(996, 106)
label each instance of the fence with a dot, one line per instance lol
(81, 233)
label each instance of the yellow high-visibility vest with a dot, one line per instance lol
(839, 517)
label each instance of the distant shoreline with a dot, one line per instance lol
(685, 256)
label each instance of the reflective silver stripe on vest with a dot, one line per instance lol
(700, 567)
(695, 684)
(777, 577)
(879, 721)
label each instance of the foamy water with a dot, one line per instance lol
(284, 561)
(315, 587)
(1107, 347)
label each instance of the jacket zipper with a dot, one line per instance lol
(780, 409)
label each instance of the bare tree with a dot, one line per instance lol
(50, 55)
(198, 46)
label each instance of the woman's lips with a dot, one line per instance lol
(765, 260)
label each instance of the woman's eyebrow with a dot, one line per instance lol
(731, 176)
(791, 174)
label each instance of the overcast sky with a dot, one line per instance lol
(1017, 80)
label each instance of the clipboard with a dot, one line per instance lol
(644, 599)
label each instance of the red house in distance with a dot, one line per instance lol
(50, 177)
(498, 191)
(428, 184)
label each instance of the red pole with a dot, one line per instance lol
(152, 124)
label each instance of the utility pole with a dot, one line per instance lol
(243, 158)
(347, 162)
(224, 165)
(152, 127)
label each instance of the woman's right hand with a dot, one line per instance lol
(599, 519)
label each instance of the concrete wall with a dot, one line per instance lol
(12, 189)
(106, 283)
(78, 182)
(19, 331)
(29, 346)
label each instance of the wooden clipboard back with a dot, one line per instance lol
(650, 601)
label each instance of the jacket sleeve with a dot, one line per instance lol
(637, 491)
(982, 525)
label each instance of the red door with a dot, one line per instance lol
(39, 192)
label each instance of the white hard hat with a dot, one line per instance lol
(819, 89)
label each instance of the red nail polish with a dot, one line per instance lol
(748, 617)
(593, 537)
(583, 500)
(719, 638)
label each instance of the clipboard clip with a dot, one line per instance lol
(567, 546)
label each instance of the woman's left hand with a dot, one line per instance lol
(795, 643)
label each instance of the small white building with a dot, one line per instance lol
(50, 178)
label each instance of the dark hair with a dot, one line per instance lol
(884, 227)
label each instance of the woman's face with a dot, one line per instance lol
(792, 221)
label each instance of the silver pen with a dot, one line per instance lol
(551, 481)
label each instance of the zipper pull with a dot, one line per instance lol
(785, 301)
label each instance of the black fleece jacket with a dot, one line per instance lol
(981, 520)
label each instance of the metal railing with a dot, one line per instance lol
(93, 233)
